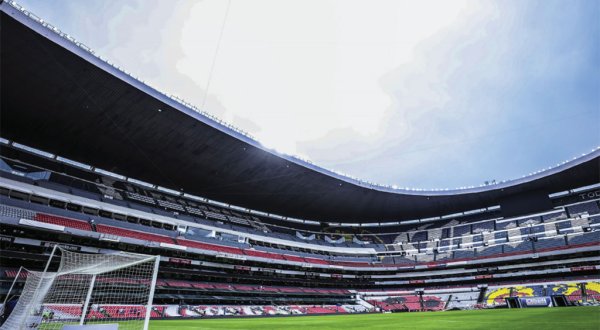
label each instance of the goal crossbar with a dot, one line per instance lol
(87, 289)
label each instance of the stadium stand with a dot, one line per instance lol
(221, 259)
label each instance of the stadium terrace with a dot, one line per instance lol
(98, 167)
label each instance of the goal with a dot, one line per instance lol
(87, 289)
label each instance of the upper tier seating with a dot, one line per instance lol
(140, 198)
(488, 251)
(554, 216)
(461, 230)
(419, 236)
(466, 246)
(529, 221)
(506, 224)
(585, 238)
(109, 226)
(483, 227)
(547, 243)
(157, 200)
(590, 208)
(518, 247)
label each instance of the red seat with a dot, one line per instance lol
(262, 254)
(133, 234)
(179, 284)
(222, 286)
(74, 311)
(212, 247)
(65, 222)
(293, 258)
(202, 286)
(316, 261)
(318, 310)
(244, 288)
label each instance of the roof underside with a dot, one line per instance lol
(58, 101)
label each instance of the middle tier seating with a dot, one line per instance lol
(56, 220)
(261, 254)
(211, 247)
(466, 247)
(133, 234)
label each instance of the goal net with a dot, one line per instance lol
(88, 289)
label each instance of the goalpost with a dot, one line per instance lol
(86, 290)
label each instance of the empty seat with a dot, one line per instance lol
(261, 254)
(61, 221)
(133, 234)
(211, 247)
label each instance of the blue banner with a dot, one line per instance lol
(535, 301)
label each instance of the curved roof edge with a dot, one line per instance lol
(42, 27)
(188, 144)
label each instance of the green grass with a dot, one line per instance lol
(570, 318)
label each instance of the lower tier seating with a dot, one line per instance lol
(73, 312)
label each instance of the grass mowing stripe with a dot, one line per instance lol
(529, 319)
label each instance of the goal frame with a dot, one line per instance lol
(85, 306)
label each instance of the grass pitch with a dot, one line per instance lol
(568, 318)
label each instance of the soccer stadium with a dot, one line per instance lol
(123, 207)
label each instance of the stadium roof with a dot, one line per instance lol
(59, 97)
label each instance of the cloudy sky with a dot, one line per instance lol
(427, 94)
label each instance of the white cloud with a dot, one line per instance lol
(300, 69)
(382, 90)
(430, 117)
